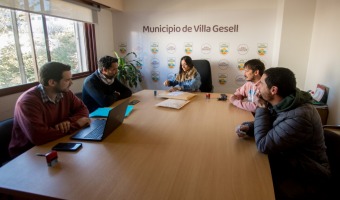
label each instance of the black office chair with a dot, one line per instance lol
(332, 141)
(203, 67)
(5, 138)
(79, 95)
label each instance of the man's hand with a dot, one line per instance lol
(64, 126)
(261, 103)
(84, 121)
(242, 130)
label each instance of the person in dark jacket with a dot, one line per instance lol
(288, 128)
(101, 88)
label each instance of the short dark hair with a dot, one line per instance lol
(52, 70)
(255, 64)
(283, 79)
(106, 62)
(188, 61)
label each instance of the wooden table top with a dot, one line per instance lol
(157, 153)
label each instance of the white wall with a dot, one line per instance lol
(324, 64)
(255, 20)
(104, 33)
(113, 4)
(296, 34)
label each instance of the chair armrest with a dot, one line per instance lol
(332, 126)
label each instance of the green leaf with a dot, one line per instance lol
(128, 73)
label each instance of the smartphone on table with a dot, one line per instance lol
(67, 146)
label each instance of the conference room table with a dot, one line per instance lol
(157, 153)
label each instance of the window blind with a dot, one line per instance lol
(65, 9)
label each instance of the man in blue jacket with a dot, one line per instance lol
(288, 128)
(101, 88)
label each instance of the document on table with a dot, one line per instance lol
(173, 103)
(177, 95)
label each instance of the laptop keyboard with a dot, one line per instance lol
(96, 133)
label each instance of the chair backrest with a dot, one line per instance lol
(79, 95)
(203, 67)
(5, 138)
(332, 141)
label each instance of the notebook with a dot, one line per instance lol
(104, 112)
(101, 128)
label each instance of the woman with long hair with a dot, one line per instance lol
(187, 79)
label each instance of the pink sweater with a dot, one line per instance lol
(34, 121)
(248, 91)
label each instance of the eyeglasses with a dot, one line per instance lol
(112, 69)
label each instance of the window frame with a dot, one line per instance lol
(91, 54)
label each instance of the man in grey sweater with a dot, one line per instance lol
(288, 128)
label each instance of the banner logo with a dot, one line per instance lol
(188, 48)
(171, 48)
(224, 48)
(171, 63)
(154, 47)
(139, 64)
(171, 76)
(138, 49)
(222, 78)
(155, 76)
(155, 63)
(262, 49)
(240, 64)
(206, 48)
(223, 64)
(122, 48)
(242, 49)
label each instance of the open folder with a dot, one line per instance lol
(104, 112)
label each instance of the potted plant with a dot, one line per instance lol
(128, 72)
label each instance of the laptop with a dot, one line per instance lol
(101, 128)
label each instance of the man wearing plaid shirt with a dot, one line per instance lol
(48, 111)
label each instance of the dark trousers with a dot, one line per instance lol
(290, 184)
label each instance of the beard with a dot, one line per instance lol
(251, 79)
(58, 89)
(267, 96)
(109, 77)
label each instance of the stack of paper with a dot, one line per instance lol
(173, 103)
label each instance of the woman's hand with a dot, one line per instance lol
(173, 89)
(166, 83)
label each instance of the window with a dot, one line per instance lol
(27, 41)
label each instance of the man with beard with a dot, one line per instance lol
(245, 96)
(288, 128)
(101, 88)
(48, 111)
